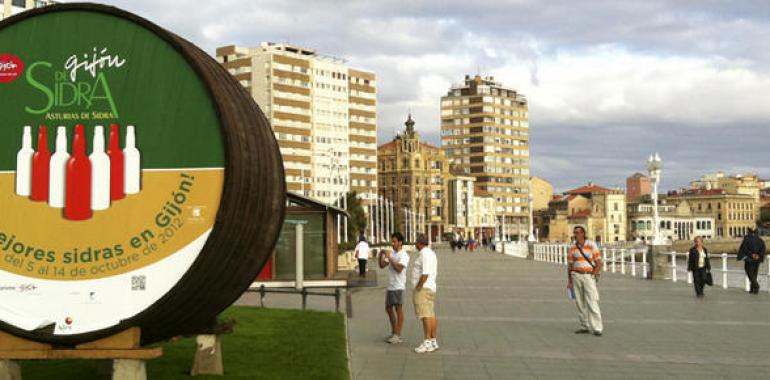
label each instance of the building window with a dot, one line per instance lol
(19, 3)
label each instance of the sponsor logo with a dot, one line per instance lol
(27, 288)
(11, 67)
(80, 83)
(21, 288)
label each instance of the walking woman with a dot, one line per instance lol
(698, 263)
(362, 254)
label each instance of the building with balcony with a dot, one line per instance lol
(9, 8)
(485, 134)
(677, 221)
(412, 174)
(323, 113)
(460, 204)
(600, 210)
(733, 214)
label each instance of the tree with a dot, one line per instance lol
(357, 219)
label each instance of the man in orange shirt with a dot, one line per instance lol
(583, 270)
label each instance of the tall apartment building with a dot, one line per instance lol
(323, 113)
(12, 7)
(485, 133)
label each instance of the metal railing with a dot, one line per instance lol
(513, 248)
(724, 275)
(624, 261)
(614, 260)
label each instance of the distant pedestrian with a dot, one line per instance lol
(362, 254)
(699, 264)
(583, 270)
(394, 295)
(424, 272)
(752, 250)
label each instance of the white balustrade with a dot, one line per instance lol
(673, 266)
(724, 270)
(604, 260)
(558, 254)
(623, 261)
(613, 259)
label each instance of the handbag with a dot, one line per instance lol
(708, 280)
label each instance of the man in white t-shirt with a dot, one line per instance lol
(362, 254)
(394, 296)
(424, 272)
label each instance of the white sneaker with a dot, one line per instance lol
(395, 339)
(434, 344)
(426, 346)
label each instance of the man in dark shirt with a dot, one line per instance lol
(752, 250)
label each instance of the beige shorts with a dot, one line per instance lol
(423, 303)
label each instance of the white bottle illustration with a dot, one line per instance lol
(100, 172)
(133, 171)
(58, 170)
(24, 164)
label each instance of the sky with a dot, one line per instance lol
(608, 82)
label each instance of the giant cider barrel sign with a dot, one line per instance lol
(140, 185)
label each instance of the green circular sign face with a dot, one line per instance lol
(112, 168)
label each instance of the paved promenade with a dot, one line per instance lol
(507, 318)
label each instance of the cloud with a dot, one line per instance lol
(608, 82)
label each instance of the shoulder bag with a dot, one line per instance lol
(590, 261)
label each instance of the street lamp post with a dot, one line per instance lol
(531, 237)
(391, 212)
(406, 223)
(387, 219)
(655, 167)
(378, 218)
(370, 208)
(345, 220)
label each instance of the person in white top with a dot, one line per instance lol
(394, 296)
(424, 272)
(362, 254)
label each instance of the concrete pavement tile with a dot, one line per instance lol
(511, 316)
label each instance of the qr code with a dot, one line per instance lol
(138, 282)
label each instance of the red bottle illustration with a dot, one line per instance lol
(41, 162)
(117, 165)
(77, 204)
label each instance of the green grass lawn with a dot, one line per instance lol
(266, 344)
